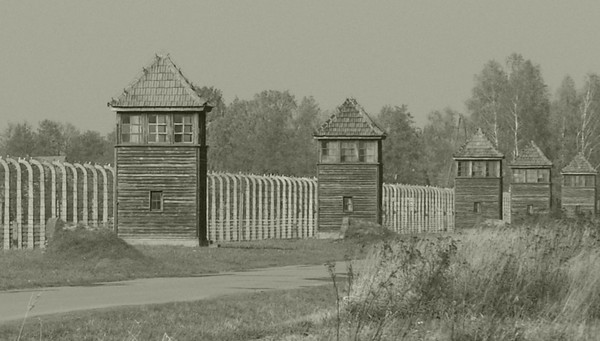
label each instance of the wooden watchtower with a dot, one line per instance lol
(578, 193)
(478, 182)
(160, 158)
(531, 186)
(349, 168)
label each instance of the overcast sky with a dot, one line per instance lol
(64, 60)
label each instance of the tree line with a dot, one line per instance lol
(271, 133)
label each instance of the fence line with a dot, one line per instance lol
(418, 209)
(239, 206)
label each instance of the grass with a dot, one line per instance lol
(83, 257)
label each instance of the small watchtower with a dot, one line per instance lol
(531, 186)
(478, 182)
(349, 168)
(579, 187)
(160, 158)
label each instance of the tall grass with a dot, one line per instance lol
(492, 284)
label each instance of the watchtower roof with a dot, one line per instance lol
(579, 165)
(160, 85)
(478, 147)
(531, 156)
(350, 120)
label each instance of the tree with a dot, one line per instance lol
(90, 147)
(402, 149)
(443, 134)
(512, 105)
(305, 123)
(50, 139)
(18, 140)
(588, 132)
(564, 122)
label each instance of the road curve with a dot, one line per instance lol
(53, 300)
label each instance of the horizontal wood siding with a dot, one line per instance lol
(488, 191)
(172, 170)
(525, 194)
(359, 181)
(584, 197)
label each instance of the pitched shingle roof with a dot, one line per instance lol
(478, 146)
(350, 120)
(160, 85)
(531, 156)
(579, 165)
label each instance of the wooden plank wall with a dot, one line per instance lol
(584, 197)
(524, 194)
(488, 191)
(172, 170)
(359, 181)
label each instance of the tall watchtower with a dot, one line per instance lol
(531, 186)
(160, 158)
(349, 168)
(579, 186)
(478, 182)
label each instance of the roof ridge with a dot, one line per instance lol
(478, 146)
(150, 88)
(579, 164)
(328, 128)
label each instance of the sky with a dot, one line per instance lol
(64, 60)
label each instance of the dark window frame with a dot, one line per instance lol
(348, 204)
(153, 201)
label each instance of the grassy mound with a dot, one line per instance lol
(91, 244)
(366, 232)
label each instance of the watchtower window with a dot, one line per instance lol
(477, 207)
(367, 151)
(182, 125)
(330, 151)
(156, 200)
(529, 209)
(131, 129)
(348, 205)
(349, 152)
(157, 128)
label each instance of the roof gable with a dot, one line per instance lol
(531, 156)
(160, 85)
(478, 146)
(579, 165)
(350, 120)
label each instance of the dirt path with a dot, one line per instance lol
(14, 303)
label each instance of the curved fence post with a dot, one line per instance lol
(84, 197)
(252, 231)
(212, 199)
(75, 213)
(52, 188)
(42, 207)
(281, 206)
(6, 215)
(113, 183)
(30, 239)
(63, 198)
(94, 193)
(228, 215)
(18, 203)
(313, 207)
(220, 227)
(104, 194)
(271, 210)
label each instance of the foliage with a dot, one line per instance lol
(483, 284)
(402, 156)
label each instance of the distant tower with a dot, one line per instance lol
(160, 158)
(349, 168)
(579, 187)
(531, 186)
(478, 182)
